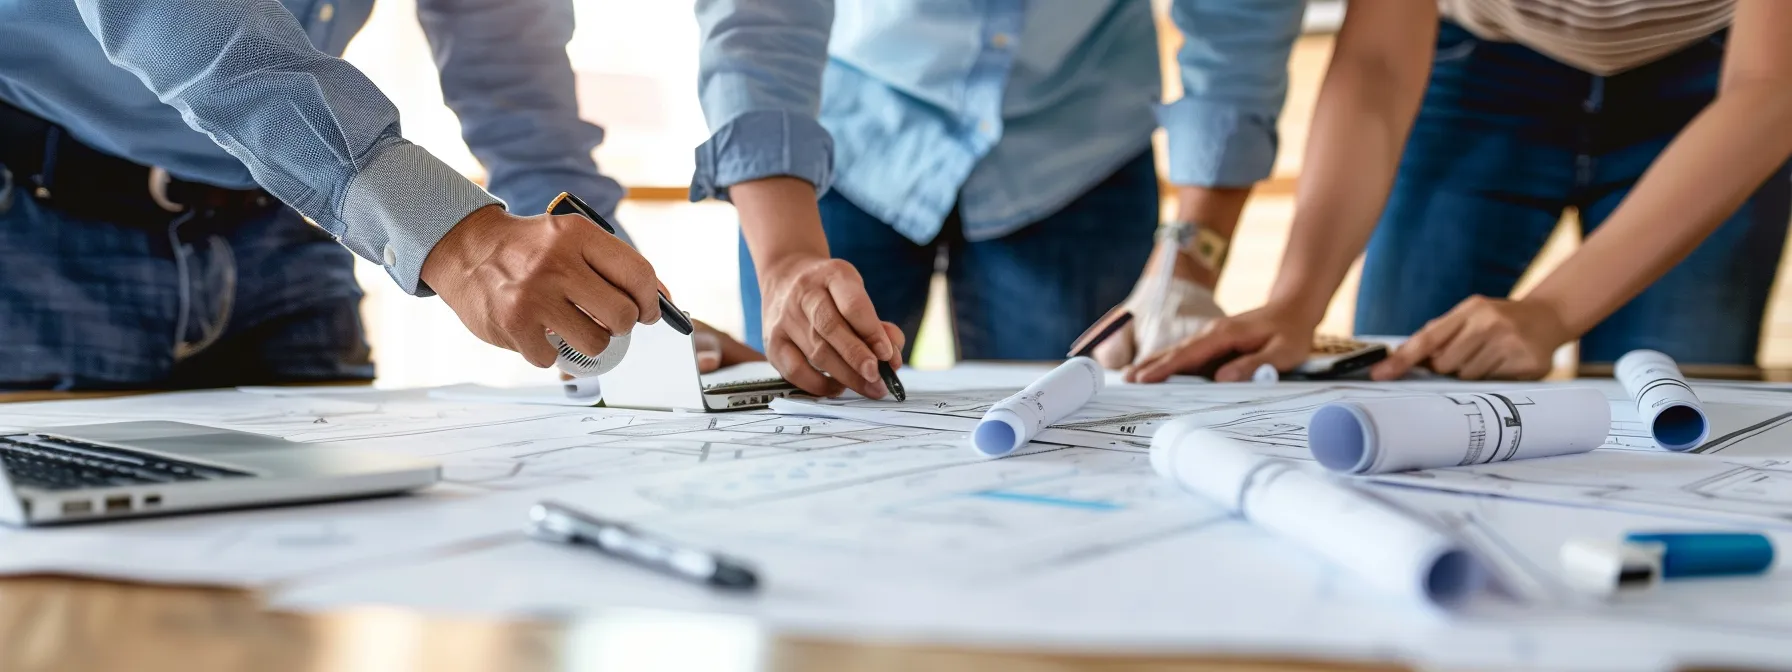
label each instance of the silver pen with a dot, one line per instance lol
(552, 521)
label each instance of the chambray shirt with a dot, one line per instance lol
(1009, 109)
(272, 104)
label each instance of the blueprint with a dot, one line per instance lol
(885, 523)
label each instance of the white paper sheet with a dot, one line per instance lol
(262, 547)
(1664, 402)
(1377, 436)
(1014, 421)
(1379, 543)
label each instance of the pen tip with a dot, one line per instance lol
(730, 576)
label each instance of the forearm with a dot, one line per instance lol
(1698, 182)
(310, 128)
(1365, 109)
(780, 222)
(1215, 209)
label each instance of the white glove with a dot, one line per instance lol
(1161, 318)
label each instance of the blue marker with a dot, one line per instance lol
(1687, 554)
(1644, 559)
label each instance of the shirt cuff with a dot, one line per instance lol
(400, 203)
(1213, 145)
(766, 143)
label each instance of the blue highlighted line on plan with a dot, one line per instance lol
(1085, 504)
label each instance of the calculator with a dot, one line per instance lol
(1335, 356)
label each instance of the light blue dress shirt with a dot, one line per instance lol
(1009, 109)
(261, 81)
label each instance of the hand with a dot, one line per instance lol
(1269, 335)
(1483, 338)
(512, 279)
(1165, 310)
(818, 320)
(717, 350)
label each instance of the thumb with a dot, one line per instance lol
(1117, 351)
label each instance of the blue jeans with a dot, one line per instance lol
(95, 305)
(1026, 295)
(1507, 140)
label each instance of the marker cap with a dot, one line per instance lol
(1604, 567)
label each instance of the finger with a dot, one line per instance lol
(1418, 348)
(830, 327)
(1451, 356)
(1117, 351)
(612, 309)
(790, 363)
(578, 329)
(897, 343)
(855, 305)
(532, 343)
(1190, 354)
(827, 359)
(709, 351)
(1485, 360)
(625, 269)
(1245, 366)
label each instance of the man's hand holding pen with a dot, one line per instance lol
(512, 279)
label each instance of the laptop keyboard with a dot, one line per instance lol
(60, 463)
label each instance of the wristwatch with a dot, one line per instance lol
(1203, 244)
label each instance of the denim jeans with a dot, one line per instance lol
(1506, 141)
(1025, 295)
(95, 305)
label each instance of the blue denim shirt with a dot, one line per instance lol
(272, 104)
(1009, 109)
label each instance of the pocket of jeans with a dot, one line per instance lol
(1454, 43)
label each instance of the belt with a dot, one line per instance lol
(61, 172)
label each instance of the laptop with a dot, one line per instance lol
(102, 472)
(660, 373)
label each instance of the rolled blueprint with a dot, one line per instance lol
(1347, 526)
(1664, 401)
(1014, 421)
(1376, 436)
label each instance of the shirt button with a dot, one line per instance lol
(1000, 41)
(391, 256)
(985, 127)
(327, 12)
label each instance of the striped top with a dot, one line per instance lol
(1602, 37)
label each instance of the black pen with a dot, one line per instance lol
(568, 204)
(1107, 326)
(552, 521)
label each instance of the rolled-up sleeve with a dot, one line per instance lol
(1234, 69)
(312, 129)
(759, 79)
(505, 73)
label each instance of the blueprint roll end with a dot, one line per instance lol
(1680, 427)
(1342, 437)
(996, 435)
(1454, 576)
